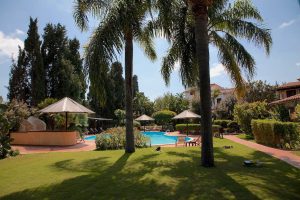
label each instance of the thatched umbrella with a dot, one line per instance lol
(66, 105)
(187, 115)
(144, 118)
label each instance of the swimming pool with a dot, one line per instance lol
(157, 138)
(160, 138)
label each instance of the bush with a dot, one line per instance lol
(222, 122)
(5, 147)
(114, 138)
(276, 133)
(233, 127)
(163, 117)
(189, 127)
(244, 113)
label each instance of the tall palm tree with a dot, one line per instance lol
(190, 26)
(121, 22)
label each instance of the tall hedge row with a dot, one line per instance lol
(276, 133)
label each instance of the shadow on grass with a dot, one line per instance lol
(171, 175)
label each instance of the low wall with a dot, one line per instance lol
(44, 138)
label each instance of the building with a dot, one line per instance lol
(192, 94)
(289, 95)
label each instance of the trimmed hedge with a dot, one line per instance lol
(222, 122)
(276, 133)
(190, 127)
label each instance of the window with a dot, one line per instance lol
(290, 93)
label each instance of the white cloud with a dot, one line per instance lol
(217, 70)
(286, 24)
(19, 32)
(9, 45)
(298, 64)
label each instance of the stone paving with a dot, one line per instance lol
(286, 156)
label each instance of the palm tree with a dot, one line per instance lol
(190, 26)
(121, 22)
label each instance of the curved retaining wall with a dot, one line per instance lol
(45, 138)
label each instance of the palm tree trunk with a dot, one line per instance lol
(128, 92)
(199, 8)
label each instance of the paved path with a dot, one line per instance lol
(83, 146)
(286, 156)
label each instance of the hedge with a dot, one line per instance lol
(190, 127)
(276, 133)
(222, 122)
(195, 127)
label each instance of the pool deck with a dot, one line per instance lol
(87, 145)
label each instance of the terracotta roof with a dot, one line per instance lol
(285, 100)
(289, 85)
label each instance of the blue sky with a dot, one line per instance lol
(282, 17)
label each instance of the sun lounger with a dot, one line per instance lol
(194, 142)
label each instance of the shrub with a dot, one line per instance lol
(233, 127)
(5, 147)
(222, 122)
(163, 117)
(114, 138)
(276, 133)
(189, 127)
(244, 113)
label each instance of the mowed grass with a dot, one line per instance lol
(174, 173)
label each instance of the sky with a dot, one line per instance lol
(282, 65)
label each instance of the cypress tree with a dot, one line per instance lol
(116, 75)
(135, 85)
(32, 46)
(18, 79)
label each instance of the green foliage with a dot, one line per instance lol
(16, 111)
(5, 147)
(19, 86)
(136, 124)
(225, 109)
(135, 86)
(32, 46)
(116, 76)
(163, 117)
(142, 105)
(260, 91)
(281, 113)
(189, 127)
(275, 133)
(46, 102)
(224, 123)
(245, 112)
(297, 112)
(120, 114)
(227, 23)
(176, 103)
(233, 127)
(114, 138)
(64, 71)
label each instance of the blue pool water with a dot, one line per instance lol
(92, 137)
(157, 138)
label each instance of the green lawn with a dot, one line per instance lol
(175, 173)
(245, 137)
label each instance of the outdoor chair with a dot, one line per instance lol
(194, 142)
(180, 141)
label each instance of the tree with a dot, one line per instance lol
(191, 26)
(142, 105)
(19, 87)
(176, 103)
(135, 85)
(121, 24)
(116, 75)
(32, 47)
(120, 114)
(163, 117)
(260, 91)
(226, 107)
(63, 65)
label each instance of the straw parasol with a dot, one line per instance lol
(144, 118)
(66, 105)
(187, 115)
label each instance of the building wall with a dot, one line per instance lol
(284, 93)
